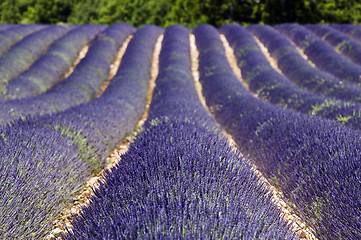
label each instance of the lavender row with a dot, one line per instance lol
(275, 88)
(314, 162)
(5, 26)
(175, 95)
(11, 36)
(53, 65)
(321, 53)
(342, 43)
(40, 171)
(47, 159)
(299, 71)
(80, 87)
(24, 53)
(352, 30)
(105, 121)
(179, 179)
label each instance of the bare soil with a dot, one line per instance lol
(81, 55)
(114, 67)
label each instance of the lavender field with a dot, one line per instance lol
(116, 132)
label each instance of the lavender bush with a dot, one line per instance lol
(275, 88)
(314, 162)
(25, 52)
(52, 66)
(321, 53)
(342, 43)
(40, 170)
(179, 179)
(54, 154)
(350, 29)
(11, 36)
(299, 70)
(80, 87)
(6, 26)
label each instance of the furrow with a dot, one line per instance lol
(195, 73)
(300, 51)
(233, 62)
(114, 67)
(81, 55)
(271, 60)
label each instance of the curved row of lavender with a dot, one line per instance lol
(322, 54)
(53, 65)
(299, 70)
(5, 26)
(179, 178)
(342, 43)
(80, 87)
(275, 88)
(26, 52)
(351, 30)
(46, 160)
(314, 162)
(9, 37)
(104, 122)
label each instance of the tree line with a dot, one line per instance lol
(187, 12)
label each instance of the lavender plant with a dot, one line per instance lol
(6, 26)
(350, 29)
(25, 52)
(314, 162)
(342, 43)
(275, 88)
(54, 154)
(179, 179)
(104, 122)
(80, 87)
(12, 35)
(299, 70)
(321, 53)
(40, 171)
(52, 66)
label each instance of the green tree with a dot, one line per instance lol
(47, 11)
(187, 12)
(135, 12)
(9, 11)
(85, 11)
(340, 11)
(284, 11)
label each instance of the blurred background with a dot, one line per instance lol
(190, 13)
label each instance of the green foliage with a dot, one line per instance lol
(137, 12)
(340, 11)
(10, 11)
(85, 11)
(35, 11)
(280, 11)
(187, 12)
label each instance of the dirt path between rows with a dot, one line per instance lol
(114, 67)
(273, 61)
(81, 55)
(296, 223)
(81, 199)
